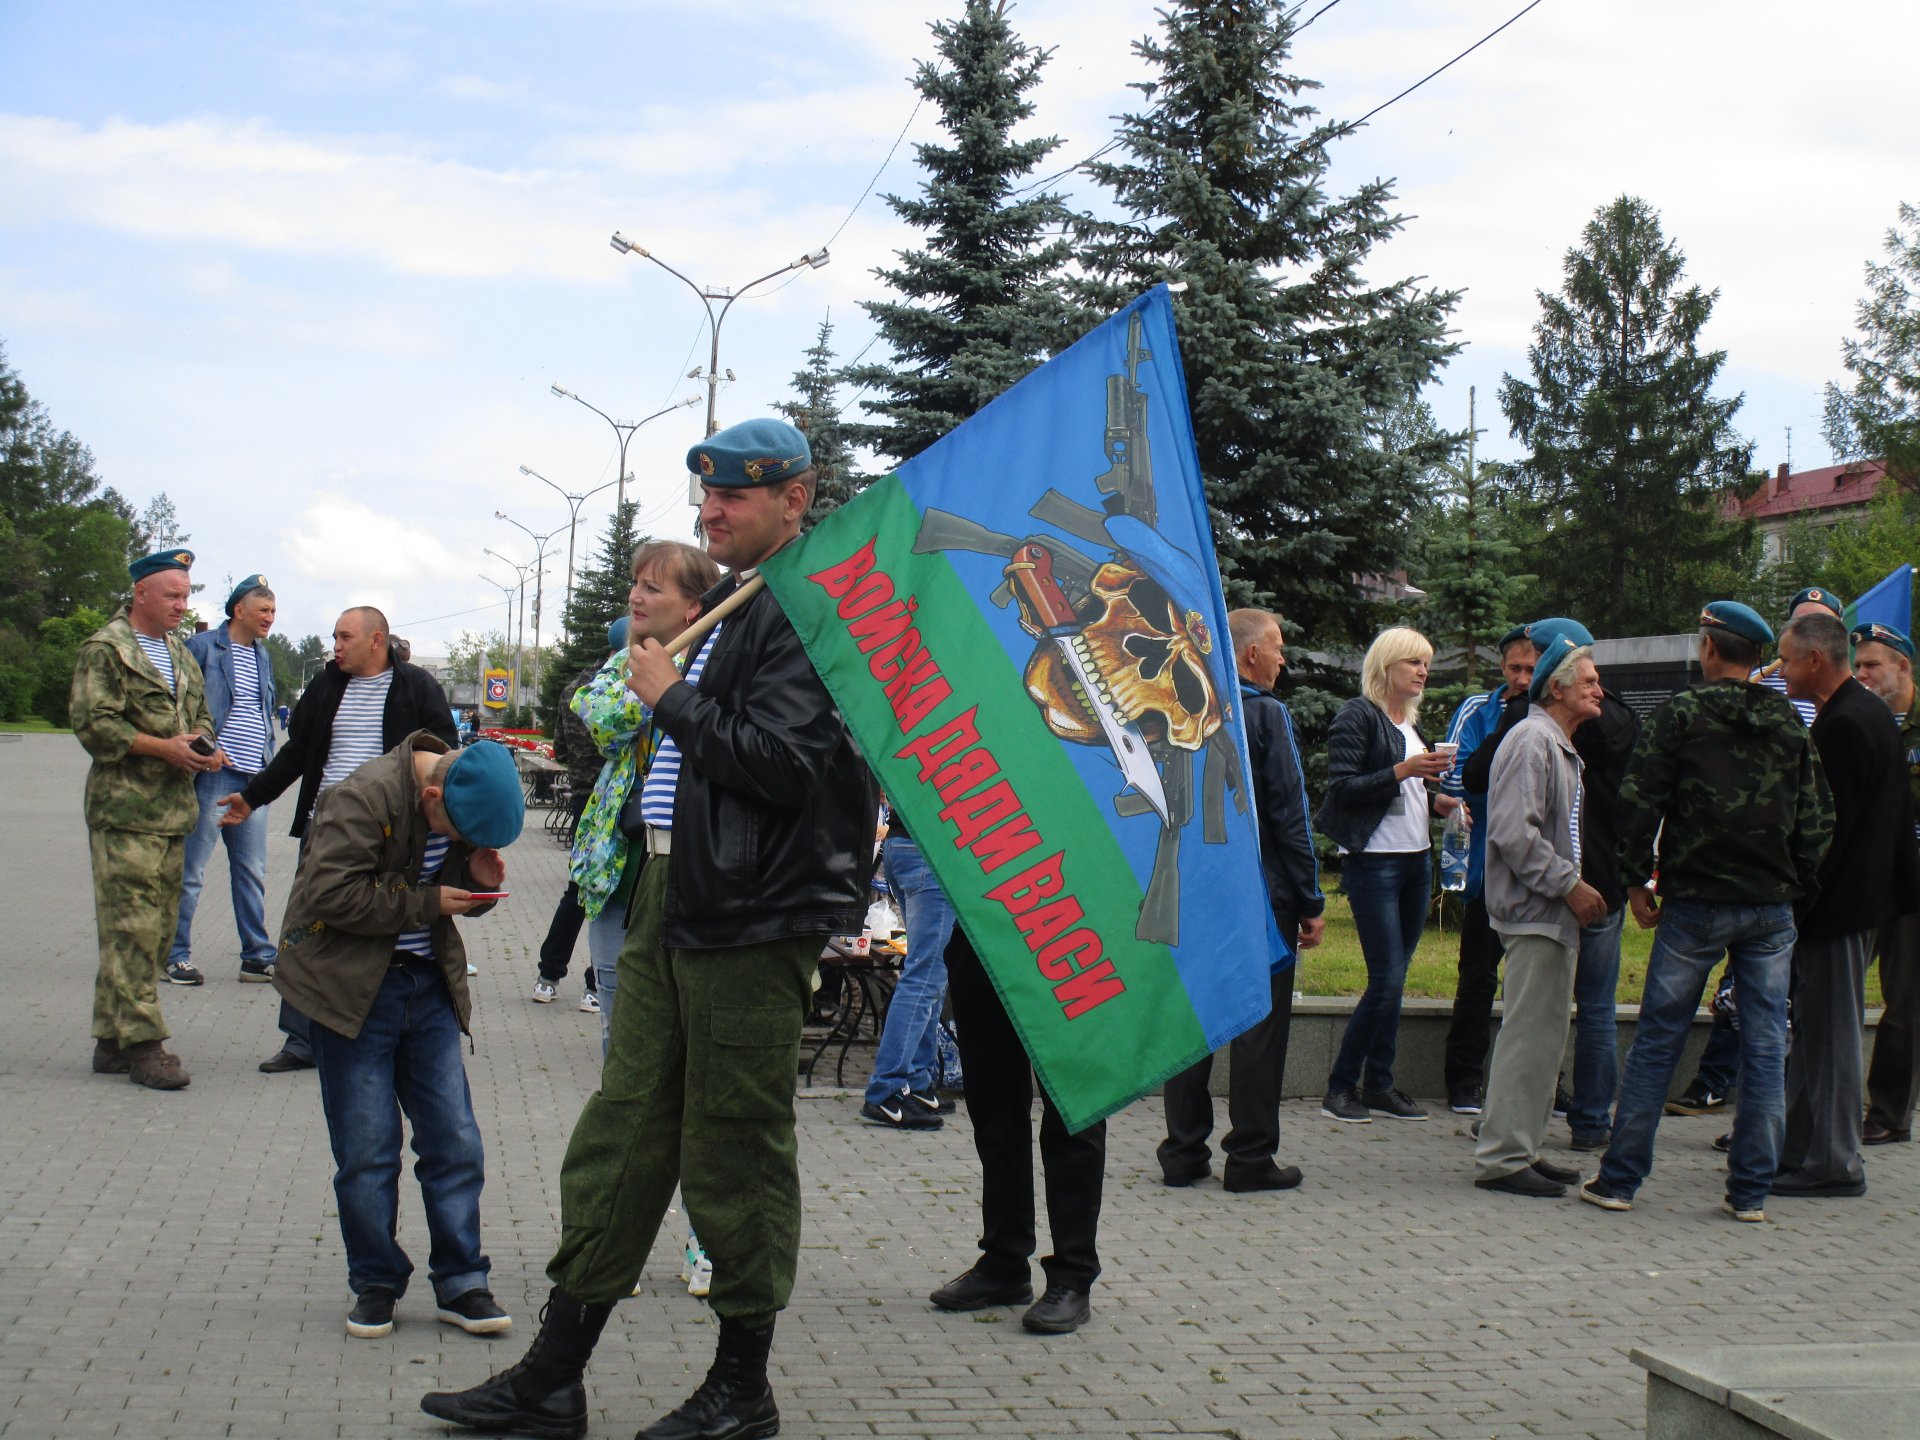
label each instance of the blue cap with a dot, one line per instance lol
(754, 452)
(1517, 633)
(160, 560)
(483, 796)
(1742, 620)
(617, 633)
(1819, 597)
(245, 588)
(1555, 638)
(1880, 634)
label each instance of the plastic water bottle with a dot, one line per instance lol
(1454, 839)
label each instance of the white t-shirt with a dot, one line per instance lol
(1404, 827)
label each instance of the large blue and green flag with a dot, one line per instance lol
(1024, 628)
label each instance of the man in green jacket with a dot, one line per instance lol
(369, 953)
(139, 706)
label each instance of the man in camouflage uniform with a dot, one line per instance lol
(139, 706)
(1726, 779)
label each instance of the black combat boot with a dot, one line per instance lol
(734, 1402)
(543, 1395)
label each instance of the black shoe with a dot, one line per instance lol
(1345, 1106)
(1877, 1134)
(901, 1112)
(372, 1313)
(1526, 1181)
(475, 1313)
(1799, 1184)
(1598, 1140)
(1061, 1311)
(1268, 1177)
(734, 1402)
(543, 1395)
(256, 972)
(184, 972)
(1696, 1099)
(1724, 1143)
(1467, 1102)
(1559, 1174)
(1185, 1174)
(974, 1291)
(930, 1102)
(1394, 1104)
(285, 1060)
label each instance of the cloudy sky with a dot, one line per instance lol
(310, 268)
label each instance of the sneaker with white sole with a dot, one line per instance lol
(184, 972)
(372, 1313)
(901, 1112)
(543, 992)
(1605, 1196)
(589, 1003)
(695, 1268)
(1394, 1104)
(1345, 1106)
(475, 1313)
(1745, 1214)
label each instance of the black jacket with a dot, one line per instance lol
(415, 701)
(1363, 746)
(1605, 744)
(774, 813)
(1280, 798)
(1871, 872)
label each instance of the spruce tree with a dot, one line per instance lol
(1877, 417)
(981, 304)
(599, 598)
(1294, 360)
(1629, 449)
(816, 411)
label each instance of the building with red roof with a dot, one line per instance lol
(1820, 497)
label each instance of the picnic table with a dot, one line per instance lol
(538, 773)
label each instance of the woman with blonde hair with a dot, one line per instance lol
(1382, 785)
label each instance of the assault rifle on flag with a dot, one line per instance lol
(1024, 628)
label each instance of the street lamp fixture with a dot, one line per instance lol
(574, 502)
(539, 583)
(622, 429)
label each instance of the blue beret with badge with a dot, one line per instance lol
(153, 564)
(1742, 620)
(483, 796)
(1555, 638)
(752, 453)
(1514, 636)
(1876, 633)
(245, 588)
(1815, 595)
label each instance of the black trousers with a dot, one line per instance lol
(999, 1080)
(556, 951)
(1471, 1031)
(1259, 1064)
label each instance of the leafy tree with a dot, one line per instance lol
(1629, 448)
(1879, 416)
(599, 598)
(1847, 558)
(54, 657)
(471, 653)
(816, 411)
(1295, 362)
(981, 304)
(286, 659)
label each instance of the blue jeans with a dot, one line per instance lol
(1389, 894)
(246, 864)
(905, 1057)
(1596, 1038)
(606, 933)
(405, 1058)
(1758, 942)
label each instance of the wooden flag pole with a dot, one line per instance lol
(697, 631)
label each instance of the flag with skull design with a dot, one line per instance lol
(1024, 628)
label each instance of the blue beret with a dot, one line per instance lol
(160, 560)
(1742, 620)
(245, 588)
(483, 797)
(754, 452)
(1819, 597)
(1517, 633)
(1556, 638)
(618, 631)
(1880, 634)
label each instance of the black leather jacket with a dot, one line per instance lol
(1363, 746)
(774, 813)
(1280, 797)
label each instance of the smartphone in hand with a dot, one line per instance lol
(201, 745)
(488, 894)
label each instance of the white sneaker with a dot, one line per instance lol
(695, 1268)
(543, 992)
(472, 969)
(590, 1003)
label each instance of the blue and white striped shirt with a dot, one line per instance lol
(656, 796)
(1803, 708)
(162, 658)
(420, 942)
(244, 736)
(358, 726)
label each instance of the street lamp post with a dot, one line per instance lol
(539, 585)
(813, 258)
(519, 645)
(574, 502)
(507, 591)
(622, 429)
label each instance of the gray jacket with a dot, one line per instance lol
(1531, 806)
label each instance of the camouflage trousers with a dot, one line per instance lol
(136, 903)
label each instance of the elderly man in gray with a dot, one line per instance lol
(1538, 903)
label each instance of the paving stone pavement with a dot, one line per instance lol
(170, 1265)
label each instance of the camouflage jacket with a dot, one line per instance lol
(116, 694)
(1726, 782)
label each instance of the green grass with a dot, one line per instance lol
(1335, 966)
(35, 726)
